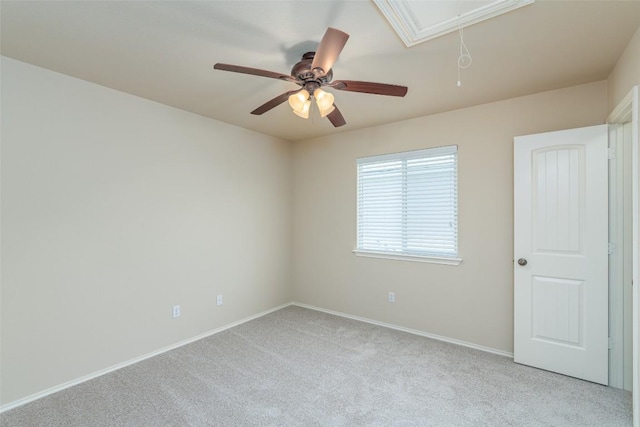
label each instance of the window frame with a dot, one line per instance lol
(437, 258)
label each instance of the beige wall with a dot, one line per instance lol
(626, 73)
(472, 302)
(115, 208)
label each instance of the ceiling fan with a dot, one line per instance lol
(313, 72)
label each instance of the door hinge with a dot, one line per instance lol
(612, 248)
(611, 343)
(611, 153)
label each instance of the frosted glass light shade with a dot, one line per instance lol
(298, 100)
(303, 111)
(325, 111)
(323, 99)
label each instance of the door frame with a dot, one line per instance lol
(620, 257)
(628, 110)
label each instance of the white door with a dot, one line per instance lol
(561, 252)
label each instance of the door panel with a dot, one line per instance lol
(561, 230)
(558, 220)
(558, 310)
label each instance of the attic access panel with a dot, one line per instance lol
(417, 21)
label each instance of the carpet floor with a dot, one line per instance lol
(300, 367)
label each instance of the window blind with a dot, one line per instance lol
(408, 203)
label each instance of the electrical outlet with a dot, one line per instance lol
(219, 300)
(392, 297)
(176, 311)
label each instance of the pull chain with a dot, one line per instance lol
(464, 60)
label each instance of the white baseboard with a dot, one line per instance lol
(101, 372)
(409, 330)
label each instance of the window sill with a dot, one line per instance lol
(405, 257)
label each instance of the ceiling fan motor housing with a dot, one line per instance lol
(310, 79)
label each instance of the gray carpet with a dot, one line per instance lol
(299, 367)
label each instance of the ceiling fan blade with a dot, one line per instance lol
(369, 87)
(328, 50)
(335, 117)
(274, 102)
(255, 72)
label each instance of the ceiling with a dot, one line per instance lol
(165, 50)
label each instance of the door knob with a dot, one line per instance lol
(522, 261)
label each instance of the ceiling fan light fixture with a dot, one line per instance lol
(326, 111)
(298, 100)
(303, 111)
(323, 99)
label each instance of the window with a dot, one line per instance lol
(408, 205)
